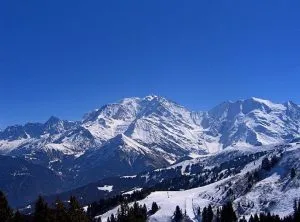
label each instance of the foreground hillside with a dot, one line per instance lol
(260, 187)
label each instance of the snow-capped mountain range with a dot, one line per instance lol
(135, 134)
(140, 134)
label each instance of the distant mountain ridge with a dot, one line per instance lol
(160, 125)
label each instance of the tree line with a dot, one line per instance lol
(73, 212)
(59, 212)
(226, 213)
(134, 213)
(104, 205)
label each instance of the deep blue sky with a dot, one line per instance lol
(65, 58)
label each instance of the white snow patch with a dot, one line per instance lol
(132, 191)
(108, 188)
(133, 176)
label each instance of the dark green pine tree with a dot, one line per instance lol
(296, 210)
(198, 211)
(42, 212)
(136, 209)
(144, 212)
(134, 212)
(251, 219)
(112, 218)
(60, 212)
(256, 218)
(5, 210)
(204, 215)
(178, 216)
(207, 214)
(123, 212)
(218, 216)
(210, 214)
(75, 212)
(228, 214)
(154, 208)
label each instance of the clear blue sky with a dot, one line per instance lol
(65, 58)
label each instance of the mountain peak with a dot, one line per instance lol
(54, 125)
(52, 120)
(151, 97)
(268, 103)
(291, 104)
(129, 100)
(255, 102)
(260, 100)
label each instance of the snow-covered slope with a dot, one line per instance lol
(274, 191)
